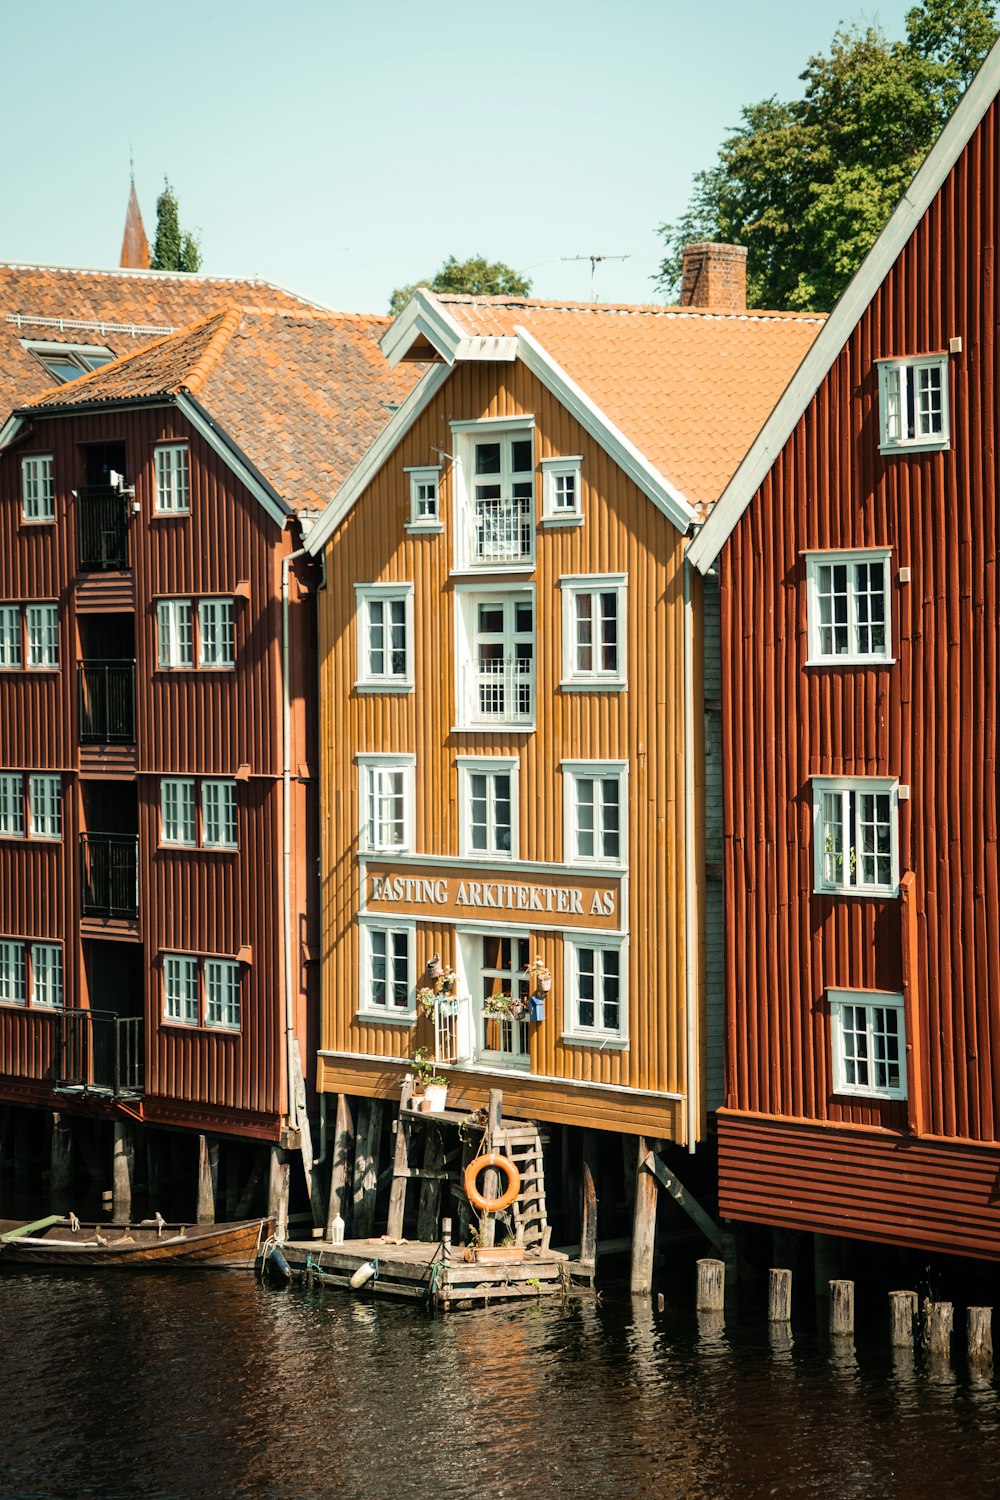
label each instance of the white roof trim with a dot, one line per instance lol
(614, 442)
(363, 472)
(422, 317)
(235, 459)
(845, 316)
(11, 431)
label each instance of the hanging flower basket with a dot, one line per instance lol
(505, 1007)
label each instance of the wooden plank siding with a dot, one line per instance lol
(223, 723)
(929, 719)
(623, 533)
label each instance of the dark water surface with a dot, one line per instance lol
(206, 1385)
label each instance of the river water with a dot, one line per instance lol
(204, 1384)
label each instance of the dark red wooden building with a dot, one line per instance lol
(857, 557)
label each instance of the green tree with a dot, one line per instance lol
(174, 249)
(476, 277)
(807, 184)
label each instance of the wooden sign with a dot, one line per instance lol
(548, 899)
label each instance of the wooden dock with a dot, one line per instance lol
(433, 1272)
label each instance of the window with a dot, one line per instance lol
(388, 971)
(856, 836)
(913, 402)
(218, 814)
(595, 992)
(217, 645)
(43, 636)
(178, 822)
(46, 975)
(848, 606)
(561, 479)
(11, 806)
(38, 491)
(386, 784)
(496, 658)
(385, 630)
(10, 636)
(495, 965)
(222, 993)
(488, 807)
(44, 807)
(869, 1044)
(180, 988)
(594, 808)
(175, 635)
(65, 362)
(172, 489)
(495, 493)
(425, 514)
(12, 986)
(594, 631)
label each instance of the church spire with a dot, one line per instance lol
(135, 246)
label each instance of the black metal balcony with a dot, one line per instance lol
(101, 530)
(107, 702)
(110, 864)
(100, 1052)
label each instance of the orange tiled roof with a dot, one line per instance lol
(303, 394)
(48, 303)
(690, 387)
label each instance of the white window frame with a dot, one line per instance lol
(421, 479)
(472, 972)
(13, 979)
(11, 805)
(44, 806)
(573, 587)
(38, 488)
(849, 558)
(596, 1035)
(172, 480)
(185, 996)
(554, 472)
(594, 770)
(178, 812)
(465, 436)
(10, 637)
(220, 825)
(490, 766)
(871, 1001)
(42, 631)
(80, 355)
(371, 769)
(385, 594)
(895, 376)
(47, 975)
(222, 981)
(468, 598)
(848, 788)
(217, 634)
(366, 1006)
(175, 635)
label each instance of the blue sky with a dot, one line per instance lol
(344, 149)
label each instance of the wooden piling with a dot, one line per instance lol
(366, 1167)
(902, 1311)
(779, 1296)
(938, 1321)
(340, 1167)
(277, 1192)
(979, 1331)
(61, 1172)
(208, 1178)
(122, 1172)
(491, 1177)
(842, 1308)
(429, 1206)
(711, 1293)
(446, 1234)
(588, 1198)
(400, 1166)
(643, 1223)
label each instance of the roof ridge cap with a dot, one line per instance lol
(201, 369)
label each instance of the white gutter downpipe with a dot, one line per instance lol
(286, 851)
(690, 882)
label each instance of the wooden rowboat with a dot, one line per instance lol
(56, 1241)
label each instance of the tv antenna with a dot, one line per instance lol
(595, 261)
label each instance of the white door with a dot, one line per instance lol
(502, 965)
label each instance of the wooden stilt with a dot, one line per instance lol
(779, 1296)
(643, 1224)
(277, 1192)
(208, 1179)
(938, 1320)
(902, 1311)
(61, 1173)
(588, 1197)
(122, 1172)
(366, 1167)
(342, 1156)
(842, 1307)
(464, 1207)
(979, 1329)
(491, 1178)
(711, 1296)
(430, 1188)
(400, 1165)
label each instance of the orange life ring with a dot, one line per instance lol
(502, 1164)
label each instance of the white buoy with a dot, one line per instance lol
(337, 1230)
(364, 1274)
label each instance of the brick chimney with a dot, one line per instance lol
(715, 276)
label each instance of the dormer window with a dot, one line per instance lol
(913, 403)
(495, 495)
(65, 362)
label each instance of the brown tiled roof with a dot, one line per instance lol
(46, 302)
(303, 394)
(689, 387)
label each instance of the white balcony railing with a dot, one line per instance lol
(501, 532)
(501, 692)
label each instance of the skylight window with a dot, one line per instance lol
(65, 362)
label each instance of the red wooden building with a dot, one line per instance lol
(157, 755)
(856, 548)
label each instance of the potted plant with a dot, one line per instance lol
(505, 1007)
(434, 1089)
(427, 1000)
(542, 981)
(448, 981)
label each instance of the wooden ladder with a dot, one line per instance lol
(522, 1141)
